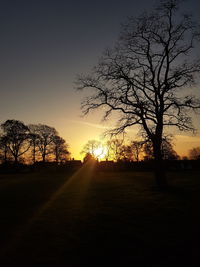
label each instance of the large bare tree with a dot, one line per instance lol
(145, 76)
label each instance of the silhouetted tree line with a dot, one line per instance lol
(21, 143)
(135, 151)
(116, 155)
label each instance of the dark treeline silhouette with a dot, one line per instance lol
(40, 145)
(20, 143)
(117, 150)
(137, 156)
(148, 165)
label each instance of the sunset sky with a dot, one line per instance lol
(45, 44)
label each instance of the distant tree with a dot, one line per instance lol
(44, 136)
(168, 153)
(91, 147)
(148, 151)
(136, 148)
(126, 153)
(60, 149)
(143, 77)
(119, 151)
(115, 149)
(16, 138)
(88, 157)
(194, 153)
(4, 149)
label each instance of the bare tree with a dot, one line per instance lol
(144, 76)
(136, 148)
(167, 150)
(115, 149)
(126, 153)
(60, 148)
(194, 153)
(16, 138)
(44, 135)
(91, 147)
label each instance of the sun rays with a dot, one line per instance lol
(77, 186)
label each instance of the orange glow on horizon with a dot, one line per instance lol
(76, 139)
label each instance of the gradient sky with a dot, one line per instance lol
(45, 44)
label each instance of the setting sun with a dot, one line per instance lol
(100, 152)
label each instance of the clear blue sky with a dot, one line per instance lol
(44, 44)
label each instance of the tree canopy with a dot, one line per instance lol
(38, 140)
(15, 138)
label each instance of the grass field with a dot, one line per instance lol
(94, 218)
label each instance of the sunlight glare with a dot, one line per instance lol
(100, 152)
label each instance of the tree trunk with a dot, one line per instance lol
(16, 159)
(5, 154)
(34, 151)
(159, 168)
(44, 156)
(56, 153)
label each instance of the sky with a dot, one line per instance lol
(45, 44)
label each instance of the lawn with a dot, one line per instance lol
(95, 218)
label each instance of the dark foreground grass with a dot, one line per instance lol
(95, 218)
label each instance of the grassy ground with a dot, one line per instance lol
(94, 218)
